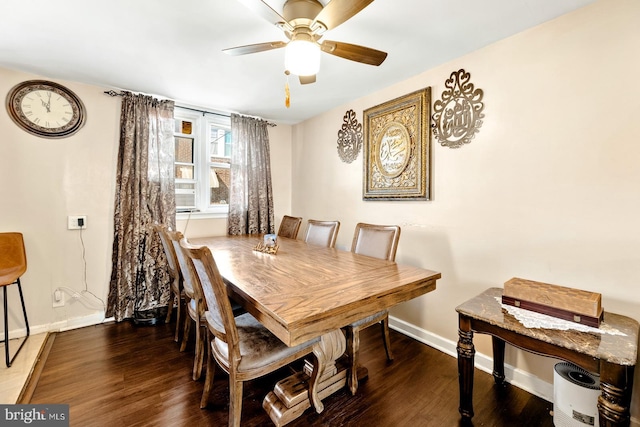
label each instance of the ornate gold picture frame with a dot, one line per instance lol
(397, 147)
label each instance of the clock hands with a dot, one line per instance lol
(47, 105)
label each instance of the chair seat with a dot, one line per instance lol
(370, 320)
(9, 275)
(259, 348)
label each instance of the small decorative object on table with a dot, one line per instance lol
(268, 245)
(270, 240)
(571, 304)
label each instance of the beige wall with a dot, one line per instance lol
(547, 190)
(43, 181)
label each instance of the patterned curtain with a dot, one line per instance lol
(250, 195)
(145, 193)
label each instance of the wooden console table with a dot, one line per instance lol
(613, 357)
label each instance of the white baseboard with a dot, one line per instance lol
(64, 325)
(513, 376)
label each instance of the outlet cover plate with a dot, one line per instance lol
(72, 222)
(60, 301)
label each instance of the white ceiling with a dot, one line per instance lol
(173, 48)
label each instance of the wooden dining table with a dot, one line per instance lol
(304, 292)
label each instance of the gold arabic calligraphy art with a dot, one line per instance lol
(396, 165)
(350, 137)
(458, 116)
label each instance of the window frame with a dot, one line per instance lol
(201, 125)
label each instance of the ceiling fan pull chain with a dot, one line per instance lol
(287, 94)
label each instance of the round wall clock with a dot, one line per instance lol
(45, 109)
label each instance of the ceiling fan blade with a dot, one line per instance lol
(262, 9)
(254, 48)
(338, 11)
(305, 80)
(354, 52)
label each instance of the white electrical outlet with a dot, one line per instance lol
(74, 222)
(58, 298)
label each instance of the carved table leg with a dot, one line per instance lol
(466, 353)
(498, 360)
(330, 347)
(290, 397)
(616, 383)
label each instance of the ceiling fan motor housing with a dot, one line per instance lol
(301, 12)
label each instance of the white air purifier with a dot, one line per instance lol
(575, 396)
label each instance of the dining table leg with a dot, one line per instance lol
(290, 397)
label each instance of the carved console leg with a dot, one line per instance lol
(498, 360)
(466, 353)
(616, 383)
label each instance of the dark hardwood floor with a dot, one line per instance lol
(127, 375)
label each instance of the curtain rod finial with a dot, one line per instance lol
(113, 93)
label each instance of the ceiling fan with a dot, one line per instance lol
(304, 22)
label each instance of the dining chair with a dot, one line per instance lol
(195, 306)
(13, 264)
(289, 226)
(378, 241)
(176, 289)
(322, 233)
(240, 345)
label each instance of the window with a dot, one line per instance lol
(202, 162)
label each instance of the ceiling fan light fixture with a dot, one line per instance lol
(302, 57)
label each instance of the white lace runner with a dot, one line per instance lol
(531, 319)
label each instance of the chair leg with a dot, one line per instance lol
(209, 378)
(172, 298)
(179, 314)
(9, 360)
(235, 401)
(353, 344)
(384, 325)
(6, 329)
(198, 359)
(185, 332)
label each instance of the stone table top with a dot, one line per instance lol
(616, 341)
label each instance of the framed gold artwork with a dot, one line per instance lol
(397, 147)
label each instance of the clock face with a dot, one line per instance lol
(45, 109)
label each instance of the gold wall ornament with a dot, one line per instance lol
(349, 137)
(397, 147)
(457, 117)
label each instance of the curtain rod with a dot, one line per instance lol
(121, 93)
